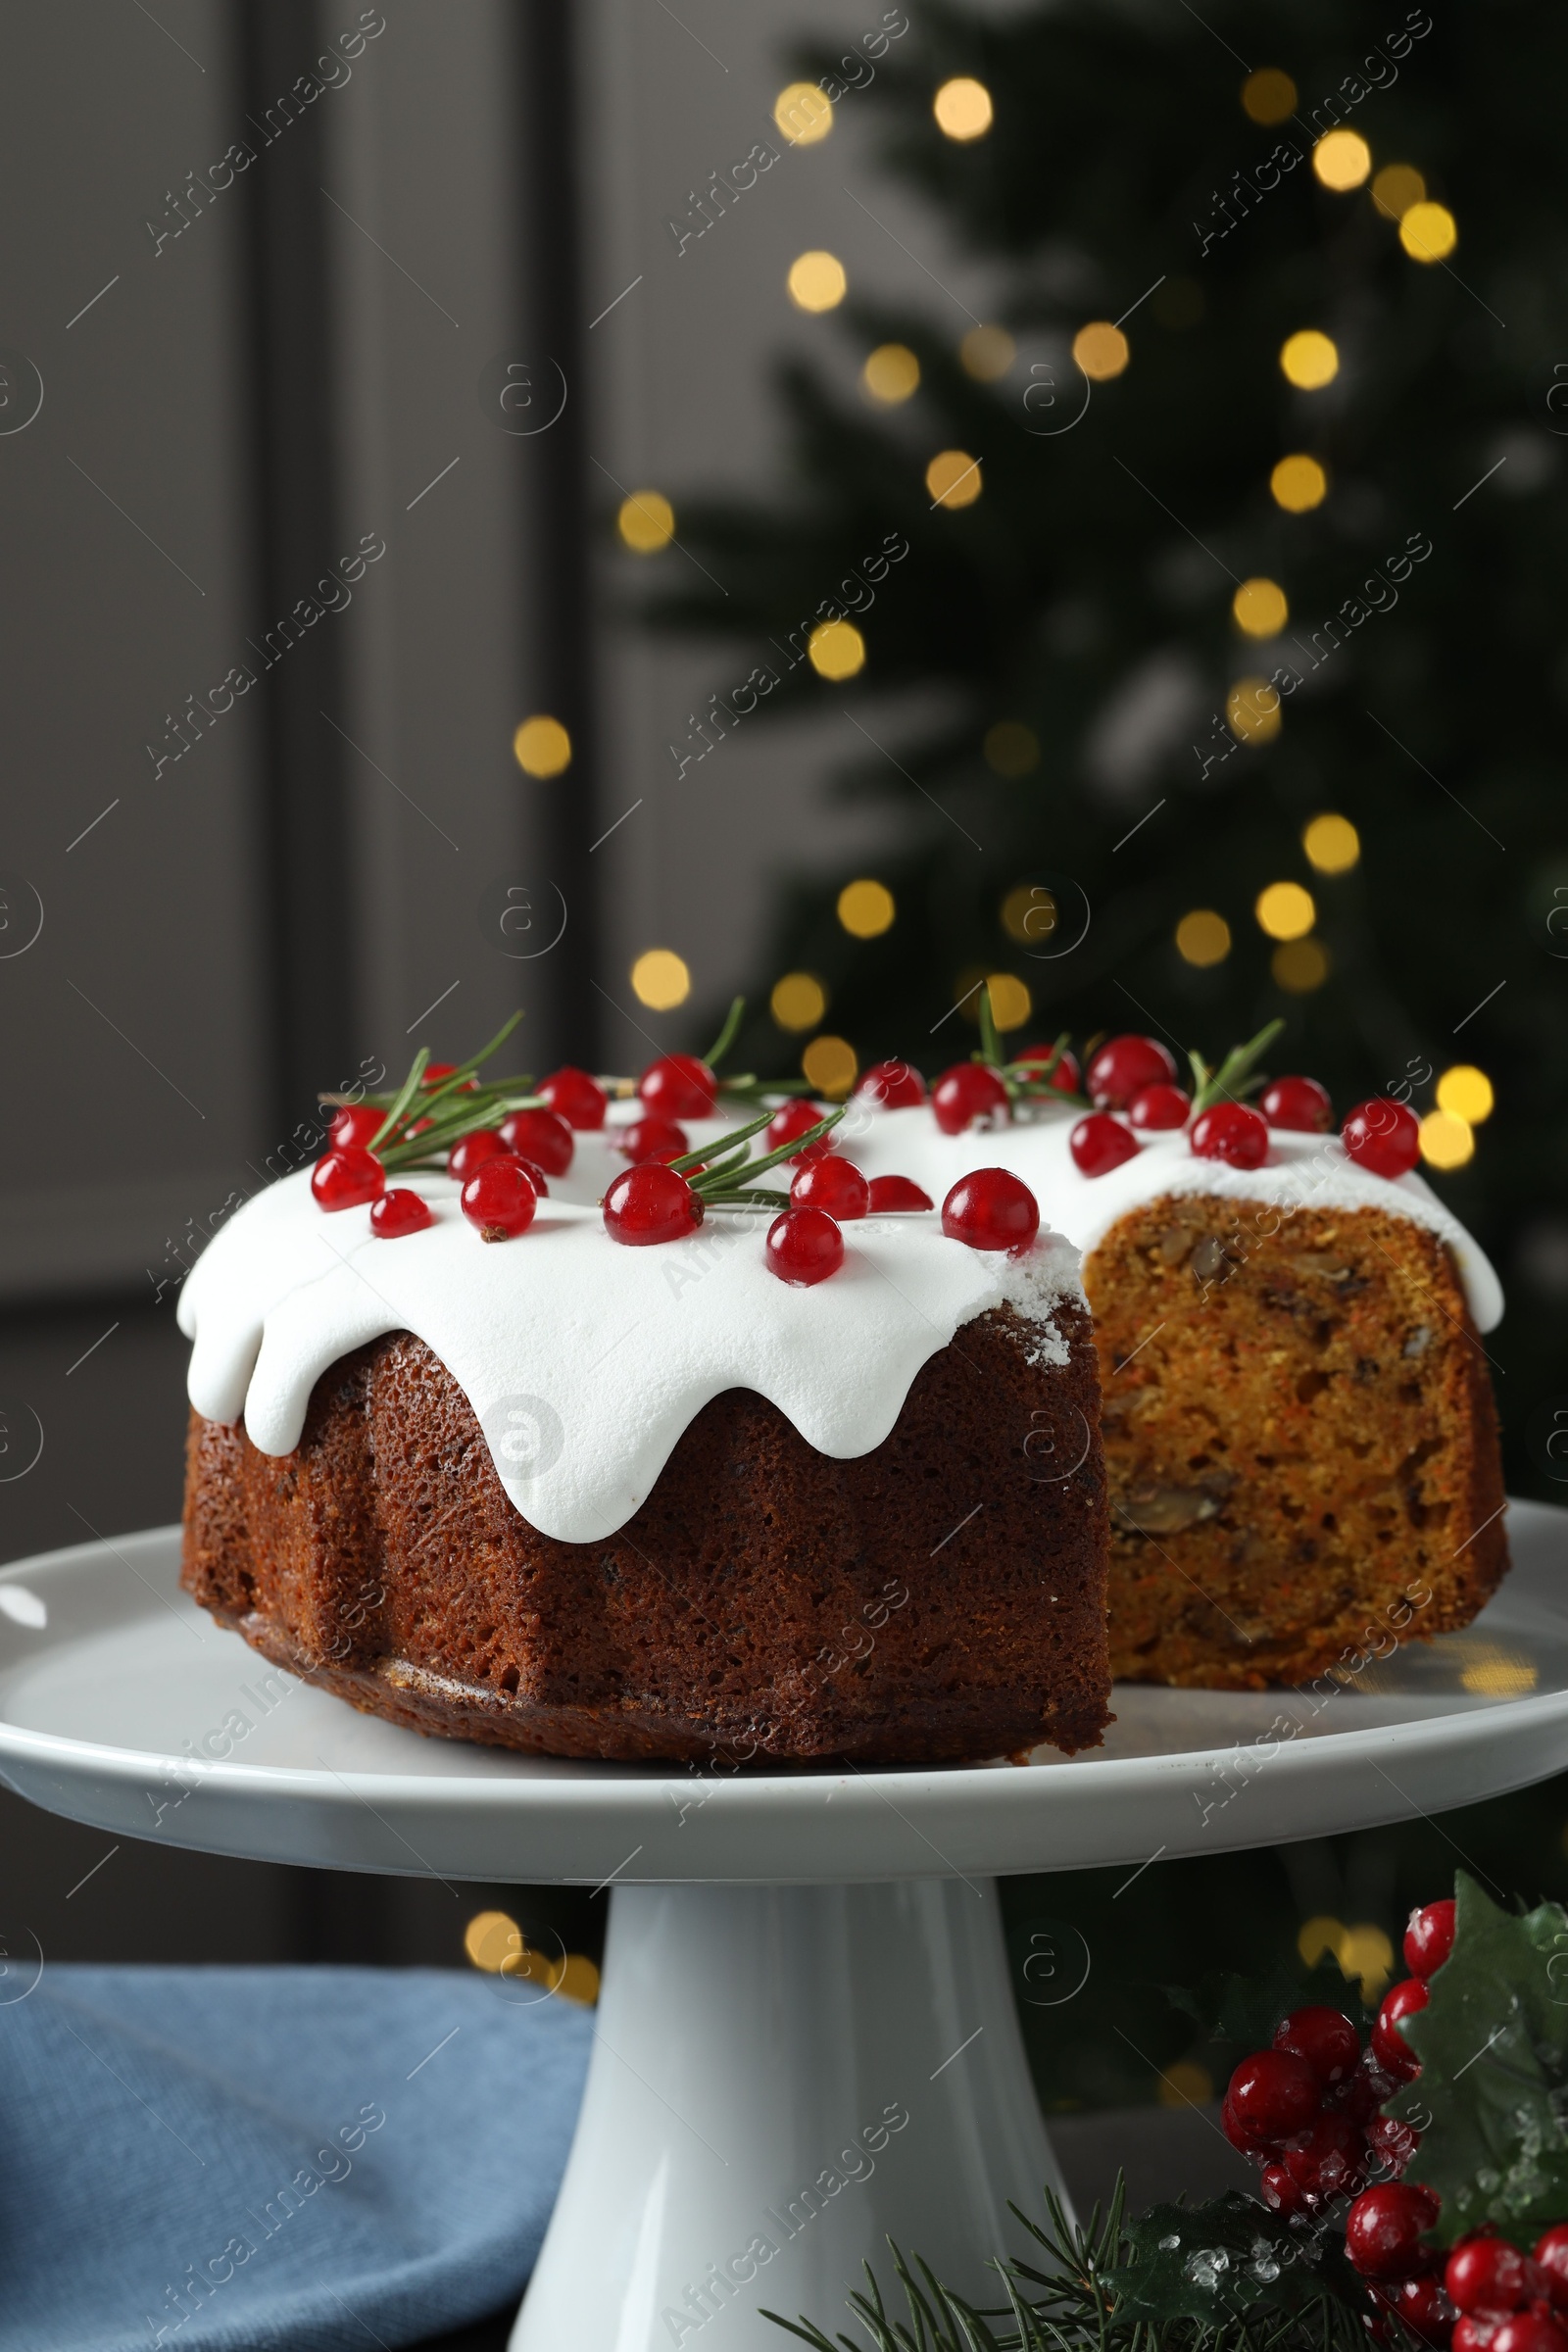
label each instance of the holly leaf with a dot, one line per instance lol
(1230, 2258)
(1492, 2099)
(1247, 2009)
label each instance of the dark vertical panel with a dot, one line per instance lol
(288, 319)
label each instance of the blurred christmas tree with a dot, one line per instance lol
(1224, 673)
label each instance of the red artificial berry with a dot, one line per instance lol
(679, 1087)
(1231, 1132)
(1429, 1938)
(1274, 2095)
(471, 1151)
(1382, 1137)
(969, 1095)
(1160, 1106)
(831, 1183)
(398, 1212)
(536, 1175)
(1236, 2132)
(1064, 1077)
(499, 1198)
(1425, 2310)
(357, 1123)
(1392, 2049)
(574, 1097)
(541, 1134)
(1100, 1142)
(889, 1194)
(805, 1246)
(1280, 2191)
(1325, 2038)
(1124, 1066)
(1474, 2335)
(991, 1209)
(1382, 2230)
(653, 1139)
(1489, 2276)
(1328, 2161)
(1551, 2254)
(346, 1177)
(1366, 2089)
(1298, 1104)
(651, 1203)
(1391, 2143)
(791, 1120)
(1529, 2332)
(893, 1084)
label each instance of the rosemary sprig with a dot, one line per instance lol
(1237, 1076)
(730, 1180)
(1025, 1081)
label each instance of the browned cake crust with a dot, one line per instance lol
(765, 1601)
(1300, 1438)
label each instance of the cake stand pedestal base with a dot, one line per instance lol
(783, 2077)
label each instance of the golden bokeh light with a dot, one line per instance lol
(1499, 1674)
(1253, 710)
(490, 1938)
(1029, 913)
(1447, 1142)
(962, 108)
(1259, 608)
(1299, 965)
(1299, 483)
(1184, 2084)
(837, 650)
(953, 479)
(1101, 350)
(891, 373)
(646, 521)
(1010, 748)
(1310, 359)
(987, 353)
(804, 114)
(542, 746)
(1467, 1093)
(1361, 1952)
(660, 980)
(495, 1944)
(1332, 842)
(867, 908)
(1010, 1001)
(830, 1065)
(1285, 910)
(1395, 188)
(1342, 159)
(798, 1002)
(1203, 938)
(1429, 232)
(816, 282)
(1268, 95)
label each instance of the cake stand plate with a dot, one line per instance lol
(806, 2037)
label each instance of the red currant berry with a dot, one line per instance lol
(893, 1084)
(1429, 1938)
(1329, 2162)
(1064, 1077)
(1389, 2044)
(536, 1175)
(969, 1095)
(1100, 1142)
(499, 1198)
(1551, 2257)
(831, 1183)
(678, 1087)
(651, 1203)
(471, 1151)
(357, 1123)
(1474, 2335)
(891, 1193)
(346, 1177)
(1280, 2191)
(1275, 2095)
(1325, 2038)
(805, 1246)
(1382, 2230)
(1160, 1106)
(1124, 1066)
(574, 1097)
(653, 1139)
(1489, 2276)
(1231, 1132)
(1533, 2330)
(991, 1209)
(1425, 2310)
(791, 1120)
(541, 1134)
(1298, 1103)
(398, 1212)
(1382, 1137)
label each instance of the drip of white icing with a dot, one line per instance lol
(585, 1361)
(1302, 1171)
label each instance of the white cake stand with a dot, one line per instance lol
(806, 2037)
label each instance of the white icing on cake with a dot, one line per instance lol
(1302, 1171)
(583, 1359)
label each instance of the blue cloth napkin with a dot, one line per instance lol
(237, 2159)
